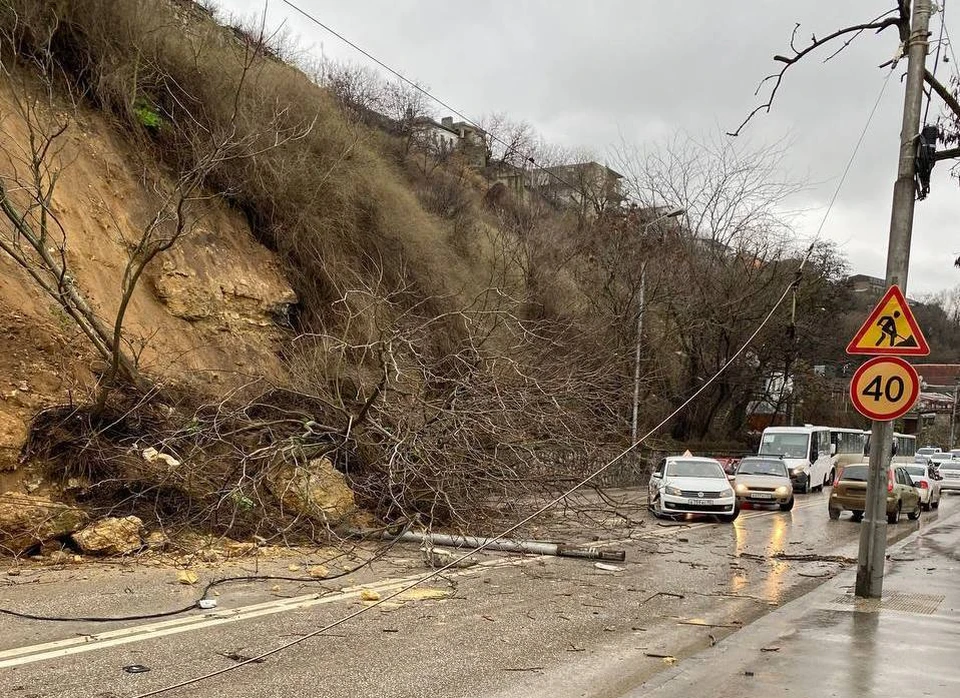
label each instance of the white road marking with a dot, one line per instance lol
(19, 656)
(62, 648)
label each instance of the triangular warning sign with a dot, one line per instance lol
(890, 330)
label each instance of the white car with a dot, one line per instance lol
(690, 485)
(950, 476)
(927, 482)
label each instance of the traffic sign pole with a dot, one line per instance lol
(873, 531)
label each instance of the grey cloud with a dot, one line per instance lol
(586, 73)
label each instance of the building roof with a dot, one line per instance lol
(427, 121)
(867, 278)
(939, 374)
(584, 165)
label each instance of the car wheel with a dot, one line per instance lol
(858, 516)
(657, 508)
(730, 518)
(834, 513)
(936, 504)
(914, 515)
(787, 506)
(895, 516)
(926, 507)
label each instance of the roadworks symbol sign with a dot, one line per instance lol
(891, 329)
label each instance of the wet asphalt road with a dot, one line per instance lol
(515, 627)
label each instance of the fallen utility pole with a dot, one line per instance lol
(530, 547)
(873, 531)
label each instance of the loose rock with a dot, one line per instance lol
(26, 520)
(317, 490)
(319, 572)
(156, 540)
(110, 536)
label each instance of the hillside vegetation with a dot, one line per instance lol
(221, 276)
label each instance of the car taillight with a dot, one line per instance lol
(923, 484)
(889, 481)
(836, 479)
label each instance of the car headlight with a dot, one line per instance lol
(781, 490)
(726, 493)
(796, 471)
(675, 491)
(742, 489)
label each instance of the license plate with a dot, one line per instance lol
(761, 495)
(698, 502)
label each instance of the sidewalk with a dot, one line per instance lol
(827, 643)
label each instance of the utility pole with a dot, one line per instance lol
(873, 531)
(953, 413)
(641, 308)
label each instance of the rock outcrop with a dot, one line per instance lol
(26, 520)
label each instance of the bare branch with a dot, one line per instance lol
(948, 97)
(799, 54)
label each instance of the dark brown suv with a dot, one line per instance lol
(850, 493)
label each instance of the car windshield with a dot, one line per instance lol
(950, 465)
(785, 444)
(857, 473)
(775, 468)
(926, 451)
(695, 468)
(916, 471)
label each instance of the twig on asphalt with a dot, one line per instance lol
(807, 557)
(661, 593)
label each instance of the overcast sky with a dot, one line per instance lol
(587, 74)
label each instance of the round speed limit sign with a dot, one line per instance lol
(884, 388)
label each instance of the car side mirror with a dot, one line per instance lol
(658, 475)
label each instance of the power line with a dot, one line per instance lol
(853, 155)
(528, 158)
(596, 473)
(936, 60)
(953, 56)
(549, 505)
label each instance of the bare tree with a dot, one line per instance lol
(717, 274)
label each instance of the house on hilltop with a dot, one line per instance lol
(589, 187)
(447, 136)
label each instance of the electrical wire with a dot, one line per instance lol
(206, 593)
(528, 158)
(853, 156)
(527, 519)
(953, 56)
(456, 561)
(936, 60)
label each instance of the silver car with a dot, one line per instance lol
(950, 472)
(764, 480)
(689, 485)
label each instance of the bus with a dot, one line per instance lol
(847, 446)
(904, 447)
(806, 450)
